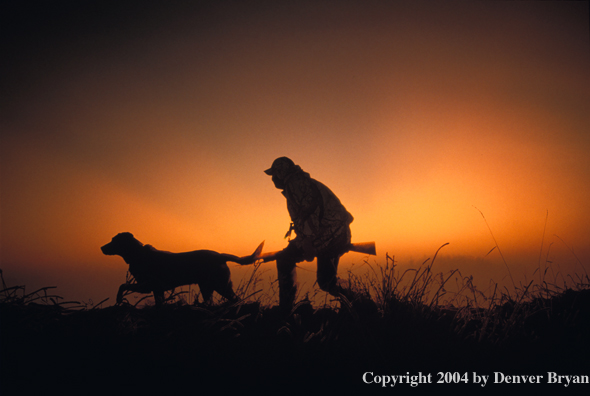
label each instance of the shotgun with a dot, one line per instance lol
(361, 247)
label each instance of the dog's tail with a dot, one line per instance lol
(251, 259)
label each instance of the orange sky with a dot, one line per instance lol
(160, 121)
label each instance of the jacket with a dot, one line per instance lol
(315, 210)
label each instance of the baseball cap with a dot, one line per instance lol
(280, 164)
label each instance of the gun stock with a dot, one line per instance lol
(361, 247)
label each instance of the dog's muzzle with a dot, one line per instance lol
(107, 249)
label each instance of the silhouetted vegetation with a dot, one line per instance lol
(402, 322)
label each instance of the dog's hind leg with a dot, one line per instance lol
(228, 292)
(159, 297)
(223, 284)
(206, 292)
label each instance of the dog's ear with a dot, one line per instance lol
(127, 239)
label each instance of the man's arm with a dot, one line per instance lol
(306, 204)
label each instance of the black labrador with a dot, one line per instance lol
(156, 271)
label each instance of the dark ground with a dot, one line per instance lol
(252, 349)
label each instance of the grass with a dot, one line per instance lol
(401, 321)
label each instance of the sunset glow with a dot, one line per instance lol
(419, 116)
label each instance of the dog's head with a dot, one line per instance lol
(122, 244)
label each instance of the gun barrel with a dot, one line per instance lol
(364, 247)
(269, 256)
(361, 247)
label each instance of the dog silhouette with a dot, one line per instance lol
(157, 271)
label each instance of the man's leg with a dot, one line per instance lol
(287, 277)
(328, 281)
(327, 274)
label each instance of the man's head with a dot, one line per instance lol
(279, 170)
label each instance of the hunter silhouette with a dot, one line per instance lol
(322, 225)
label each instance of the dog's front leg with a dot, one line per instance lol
(122, 289)
(132, 287)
